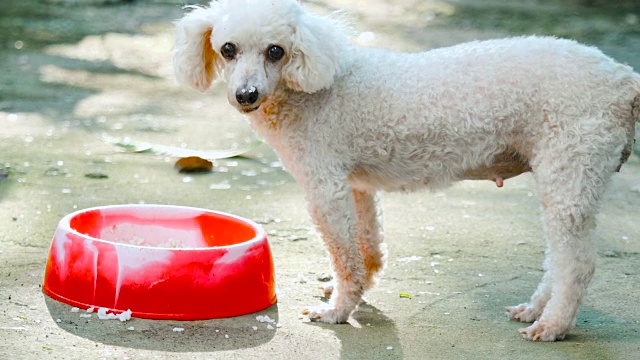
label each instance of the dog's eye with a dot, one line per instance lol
(228, 50)
(275, 53)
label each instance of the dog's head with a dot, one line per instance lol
(257, 45)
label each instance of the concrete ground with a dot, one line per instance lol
(73, 72)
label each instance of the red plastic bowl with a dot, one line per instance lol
(161, 262)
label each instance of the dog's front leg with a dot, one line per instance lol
(333, 210)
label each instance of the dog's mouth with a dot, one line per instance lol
(247, 110)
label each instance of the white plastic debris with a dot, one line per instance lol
(85, 315)
(270, 327)
(178, 329)
(90, 310)
(75, 309)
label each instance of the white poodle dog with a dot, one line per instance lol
(348, 121)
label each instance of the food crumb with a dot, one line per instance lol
(131, 328)
(389, 347)
(270, 327)
(178, 329)
(226, 336)
(85, 315)
(265, 318)
(255, 328)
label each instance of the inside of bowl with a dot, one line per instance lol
(163, 227)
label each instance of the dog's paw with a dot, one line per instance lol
(540, 331)
(523, 313)
(327, 314)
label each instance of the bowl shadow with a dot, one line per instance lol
(168, 335)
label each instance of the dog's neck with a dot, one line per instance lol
(274, 114)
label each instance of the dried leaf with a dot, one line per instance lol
(193, 164)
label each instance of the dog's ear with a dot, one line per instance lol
(314, 57)
(194, 61)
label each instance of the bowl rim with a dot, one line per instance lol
(65, 225)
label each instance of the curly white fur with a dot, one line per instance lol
(347, 121)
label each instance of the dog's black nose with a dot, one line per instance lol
(247, 96)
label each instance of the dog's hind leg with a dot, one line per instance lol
(570, 186)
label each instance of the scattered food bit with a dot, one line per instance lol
(226, 336)
(270, 327)
(86, 316)
(124, 316)
(410, 259)
(58, 321)
(265, 318)
(302, 279)
(255, 328)
(104, 314)
(278, 325)
(178, 329)
(131, 328)
(405, 296)
(193, 164)
(96, 175)
(75, 309)
(389, 347)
